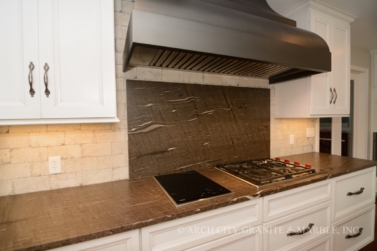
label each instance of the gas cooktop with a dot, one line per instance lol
(267, 171)
(188, 187)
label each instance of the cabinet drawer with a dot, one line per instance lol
(275, 235)
(362, 184)
(291, 201)
(321, 245)
(242, 241)
(351, 226)
(195, 230)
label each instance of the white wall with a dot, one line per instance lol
(362, 58)
(373, 93)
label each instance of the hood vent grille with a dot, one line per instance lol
(213, 64)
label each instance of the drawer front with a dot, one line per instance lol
(291, 201)
(351, 226)
(205, 227)
(275, 235)
(242, 241)
(127, 241)
(320, 245)
(361, 184)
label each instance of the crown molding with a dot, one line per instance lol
(319, 6)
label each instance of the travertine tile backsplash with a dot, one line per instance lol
(95, 153)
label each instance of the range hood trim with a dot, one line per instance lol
(165, 32)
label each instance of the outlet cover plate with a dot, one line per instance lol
(54, 165)
(291, 139)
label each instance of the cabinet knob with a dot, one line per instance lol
(30, 78)
(332, 95)
(46, 67)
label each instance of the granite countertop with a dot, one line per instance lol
(50, 219)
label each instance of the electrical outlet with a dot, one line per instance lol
(292, 139)
(54, 166)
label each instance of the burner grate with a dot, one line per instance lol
(266, 171)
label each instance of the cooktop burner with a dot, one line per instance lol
(188, 187)
(267, 171)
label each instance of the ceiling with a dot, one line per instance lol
(363, 29)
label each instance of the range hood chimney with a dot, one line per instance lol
(234, 37)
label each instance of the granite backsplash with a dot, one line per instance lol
(178, 127)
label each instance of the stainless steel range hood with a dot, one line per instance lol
(235, 37)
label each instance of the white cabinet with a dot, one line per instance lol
(326, 94)
(341, 211)
(353, 192)
(354, 231)
(18, 48)
(297, 218)
(235, 226)
(128, 241)
(70, 44)
(298, 229)
(354, 210)
(283, 204)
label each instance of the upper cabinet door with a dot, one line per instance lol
(321, 90)
(341, 64)
(18, 51)
(77, 64)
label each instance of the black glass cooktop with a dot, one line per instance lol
(189, 187)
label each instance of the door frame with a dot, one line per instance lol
(361, 125)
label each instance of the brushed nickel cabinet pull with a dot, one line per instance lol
(336, 95)
(47, 92)
(349, 236)
(30, 78)
(332, 95)
(356, 193)
(302, 231)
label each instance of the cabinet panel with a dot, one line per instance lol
(276, 232)
(341, 66)
(203, 228)
(128, 241)
(291, 201)
(321, 245)
(243, 241)
(78, 47)
(320, 94)
(322, 26)
(362, 182)
(350, 226)
(18, 47)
